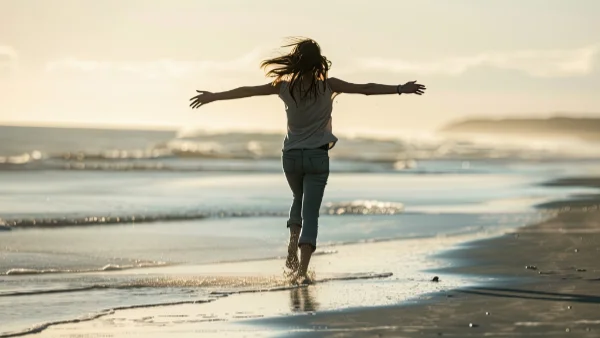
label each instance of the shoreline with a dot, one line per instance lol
(510, 282)
(545, 283)
(339, 277)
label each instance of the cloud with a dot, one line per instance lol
(536, 63)
(159, 68)
(8, 60)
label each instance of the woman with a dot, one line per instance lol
(301, 81)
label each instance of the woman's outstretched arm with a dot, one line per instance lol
(205, 97)
(340, 86)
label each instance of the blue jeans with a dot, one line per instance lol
(306, 171)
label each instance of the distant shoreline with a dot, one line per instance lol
(584, 128)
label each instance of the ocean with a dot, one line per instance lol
(93, 220)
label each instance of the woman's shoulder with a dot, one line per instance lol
(280, 85)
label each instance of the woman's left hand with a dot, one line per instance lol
(413, 87)
(202, 98)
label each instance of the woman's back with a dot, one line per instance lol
(300, 78)
(308, 117)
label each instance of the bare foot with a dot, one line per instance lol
(301, 280)
(302, 276)
(292, 261)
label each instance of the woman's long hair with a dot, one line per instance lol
(303, 62)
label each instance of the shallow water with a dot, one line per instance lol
(236, 212)
(37, 261)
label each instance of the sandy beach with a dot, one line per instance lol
(551, 288)
(265, 293)
(538, 281)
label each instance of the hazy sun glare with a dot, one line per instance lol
(136, 63)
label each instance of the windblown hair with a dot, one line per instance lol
(304, 63)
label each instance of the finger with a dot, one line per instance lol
(202, 92)
(195, 97)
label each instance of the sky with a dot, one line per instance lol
(136, 63)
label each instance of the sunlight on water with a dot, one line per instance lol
(94, 221)
(128, 150)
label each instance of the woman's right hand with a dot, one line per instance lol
(413, 87)
(202, 98)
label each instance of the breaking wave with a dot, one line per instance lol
(122, 150)
(108, 267)
(362, 207)
(359, 207)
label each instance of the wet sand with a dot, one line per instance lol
(544, 281)
(552, 288)
(387, 273)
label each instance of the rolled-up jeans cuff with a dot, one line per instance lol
(313, 244)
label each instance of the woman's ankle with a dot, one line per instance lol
(306, 251)
(295, 230)
(294, 237)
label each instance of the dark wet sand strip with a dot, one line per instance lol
(552, 287)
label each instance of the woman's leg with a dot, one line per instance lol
(314, 189)
(292, 261)
(292, 167)
(306, 251)
(316, 168)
